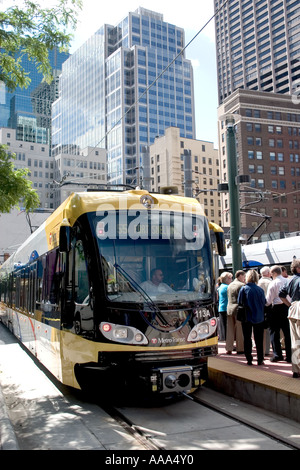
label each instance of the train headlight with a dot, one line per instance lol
(193, 335)
(203, 330)
(139, 337)
(122, 334)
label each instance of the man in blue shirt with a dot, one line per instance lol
(252, 297)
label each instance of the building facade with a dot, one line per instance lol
(28, 110)
(34, 156)
(257, 45)
(258, 66)
(168, 169)
(77, 172)
(114, 95)
(268, 149)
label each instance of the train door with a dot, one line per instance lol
(79, 303)
(31, 308)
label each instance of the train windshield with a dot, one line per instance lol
(154, 256)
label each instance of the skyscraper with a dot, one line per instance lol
(258, 63)
(257, 46)
(28, 110)
(106, 99)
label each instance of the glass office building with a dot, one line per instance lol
(123, 88)
(28, 110)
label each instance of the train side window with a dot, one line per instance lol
(25, 289)
(39, 282)
(13, 290)
(22, 289)
(80, 274)
(32, 289)
(53, 277)
(18, 289)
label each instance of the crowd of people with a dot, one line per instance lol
(262, 307)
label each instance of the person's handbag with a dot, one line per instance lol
(241, 313)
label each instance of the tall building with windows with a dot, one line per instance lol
(257, 43)
(168, 169)
(114, 95)
(28, 110)
(258, 66)
(268, 150)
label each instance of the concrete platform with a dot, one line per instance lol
(270, 386)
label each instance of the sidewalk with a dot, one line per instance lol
(270, 386)
(282, 367)
(8, 440)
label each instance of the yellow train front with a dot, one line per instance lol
(116, 289)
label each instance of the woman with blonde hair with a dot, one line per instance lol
(252, 298)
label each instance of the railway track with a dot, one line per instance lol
(256, 427)
(147, 439)
(136, 432)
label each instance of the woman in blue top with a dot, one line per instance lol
(225, 279)
(252, 297)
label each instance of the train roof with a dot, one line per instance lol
(46, 237)
(279, 252)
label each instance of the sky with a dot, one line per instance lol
(191, 15)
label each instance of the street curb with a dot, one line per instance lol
(8, 440)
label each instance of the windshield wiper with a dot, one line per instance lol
(143, 293)
(155, 309)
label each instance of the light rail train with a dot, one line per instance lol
(76, 292)
(280, 252)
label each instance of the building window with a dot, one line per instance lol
(273, 170)
(274, 184)
(260, 183)
(282, 184)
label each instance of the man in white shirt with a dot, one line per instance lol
(278, 319)
(265, 278)
(155, 286)
(264, 283)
